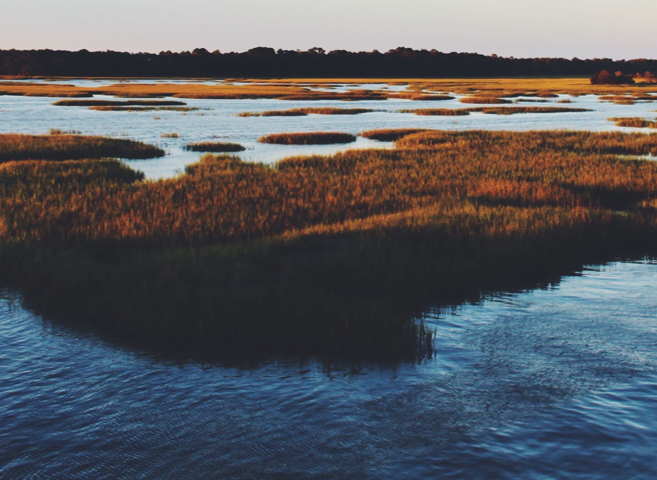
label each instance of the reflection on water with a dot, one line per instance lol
(217, 120)
(558, 382)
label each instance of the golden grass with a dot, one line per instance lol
(634, 122)
(493, 110)
(298, 89)
(308, 138)
(391, 134)
(68, 147)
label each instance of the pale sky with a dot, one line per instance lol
(522, 28)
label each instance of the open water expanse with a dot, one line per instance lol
(552, 383)
(556, 382)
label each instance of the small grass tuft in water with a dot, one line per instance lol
(216, 147)
(391, 134)
(634, 122)
(300, 112)
(308, 138)
(118, 103)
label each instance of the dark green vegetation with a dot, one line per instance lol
(216, 147)
(323, 256)
(119, 103)
(300, 112)
(308, 138)
(69, 147)
(313, 63)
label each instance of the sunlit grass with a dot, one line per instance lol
(68, 147)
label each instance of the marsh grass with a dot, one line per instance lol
(324, 256)
(118, 103)
(443, 112)
(114, 108)
(391, 134)
(484, 100)
(634, 122)
(68, 147)
(308, 138)
(300, 112)
(493, 110)
(217, 147)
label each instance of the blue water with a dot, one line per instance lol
(552, 383)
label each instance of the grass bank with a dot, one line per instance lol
(308, 138)
(323, 256)
(69, 147)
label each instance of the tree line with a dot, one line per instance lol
(316, 62)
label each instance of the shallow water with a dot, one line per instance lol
(552, 383)
(217, 120)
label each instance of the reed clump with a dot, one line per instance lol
(492, 110)
(69, 147)
(442, 112)
(118, 103)
(320, 255)
(517, 110)
(300, 112)
(217, 147)
(634, 122)
(308, 138)
(142, 109)
(484, 100)
(390, 134)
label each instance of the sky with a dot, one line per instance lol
(520, 28)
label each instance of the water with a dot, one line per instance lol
(552, 383)
(217, 120)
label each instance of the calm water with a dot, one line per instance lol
(555, 383)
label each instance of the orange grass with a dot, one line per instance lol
(217, 147)
(69, 147)
(320, 255)
(634, 122)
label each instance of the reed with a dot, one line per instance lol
(114, 108)
(320, 255)
(391, 134)
(118, 103)
(484, 100)
(300, 112)
(217, 147)
(634, 122)
(69, 147)
(443, 112)
(308, 138)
